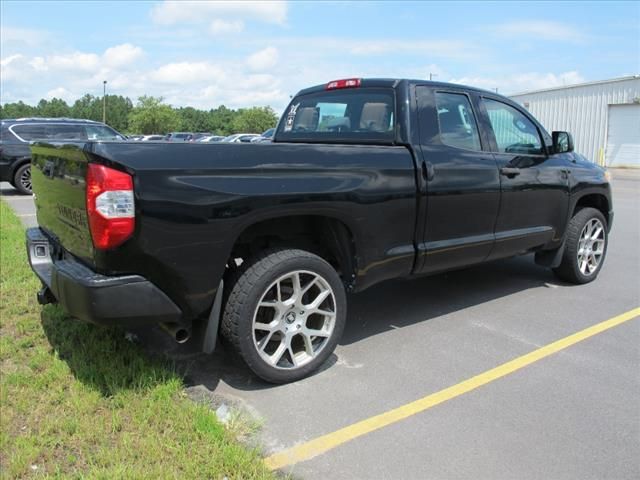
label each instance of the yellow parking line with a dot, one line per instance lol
(322, 444)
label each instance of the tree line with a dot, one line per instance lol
(149, 115)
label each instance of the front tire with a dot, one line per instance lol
(585, 248)
(285, 314)
(22, 179)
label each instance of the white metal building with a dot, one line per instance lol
(603, 117)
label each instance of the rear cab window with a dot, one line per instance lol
(357, 115)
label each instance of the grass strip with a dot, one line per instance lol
(79, 401)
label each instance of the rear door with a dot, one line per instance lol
(534, 185)
(463, 187)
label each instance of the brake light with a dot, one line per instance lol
(346, 83)
(110, 206)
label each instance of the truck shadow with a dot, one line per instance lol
(103, 359)
(396, 304)
(388, 306)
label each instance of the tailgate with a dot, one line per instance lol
(58, 177)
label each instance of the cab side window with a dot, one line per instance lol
(514, 132)
(458, 127)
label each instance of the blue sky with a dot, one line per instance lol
(258, 53)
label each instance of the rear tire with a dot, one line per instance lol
(284, 314)
(585, 248)
(22, 179)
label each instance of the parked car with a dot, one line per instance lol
(178, 136)
(15, 135)
(153, 138)
(265, 136)
(211, 138)
(135, 138)
(365, 181)
(240, 138)
(197, 136)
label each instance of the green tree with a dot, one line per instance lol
(254, 120)
(118, 109)
(221, 120)
(54, 108)
(87, 107)
(18, 110)
(150, 115)
(192, 120)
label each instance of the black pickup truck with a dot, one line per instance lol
(365, 180)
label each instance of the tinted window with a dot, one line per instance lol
(514, 132)
(65, 132)
(100, 132)
(29, 133)
(340, 116)
(457, 124)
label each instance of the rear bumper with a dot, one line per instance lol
(127, 301)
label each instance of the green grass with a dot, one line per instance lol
(79, 401)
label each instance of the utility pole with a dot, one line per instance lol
(431, 75)
(104, 101)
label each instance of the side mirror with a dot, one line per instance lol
(562, 142)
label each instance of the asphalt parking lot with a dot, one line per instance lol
(574, 413)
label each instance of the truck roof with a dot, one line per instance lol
(393, 82)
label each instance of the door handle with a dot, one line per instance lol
(509, 172)
(427, 171)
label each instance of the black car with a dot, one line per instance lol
(15, 135)
(365, 180)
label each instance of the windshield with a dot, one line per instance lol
(340, 116)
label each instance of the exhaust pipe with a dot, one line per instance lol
(45, 296)
(179, 333)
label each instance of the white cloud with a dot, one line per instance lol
(187, 72)
(263, 59)
(5, 62)
(114, 57)
(224, 27)
(73, 61)
(122, 55)
(62, 93)
(541, 30)
(171, 12)
(510, 84)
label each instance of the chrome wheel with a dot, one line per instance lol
(294, 319)
(591, 245)
(25, 179)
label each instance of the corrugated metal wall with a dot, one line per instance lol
(581, 110)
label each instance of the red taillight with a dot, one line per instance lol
(346, 83)
(110, 206)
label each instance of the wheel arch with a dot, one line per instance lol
(596, 200)
(17, 164)
(325, 235)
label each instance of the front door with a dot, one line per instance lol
(534, 185)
